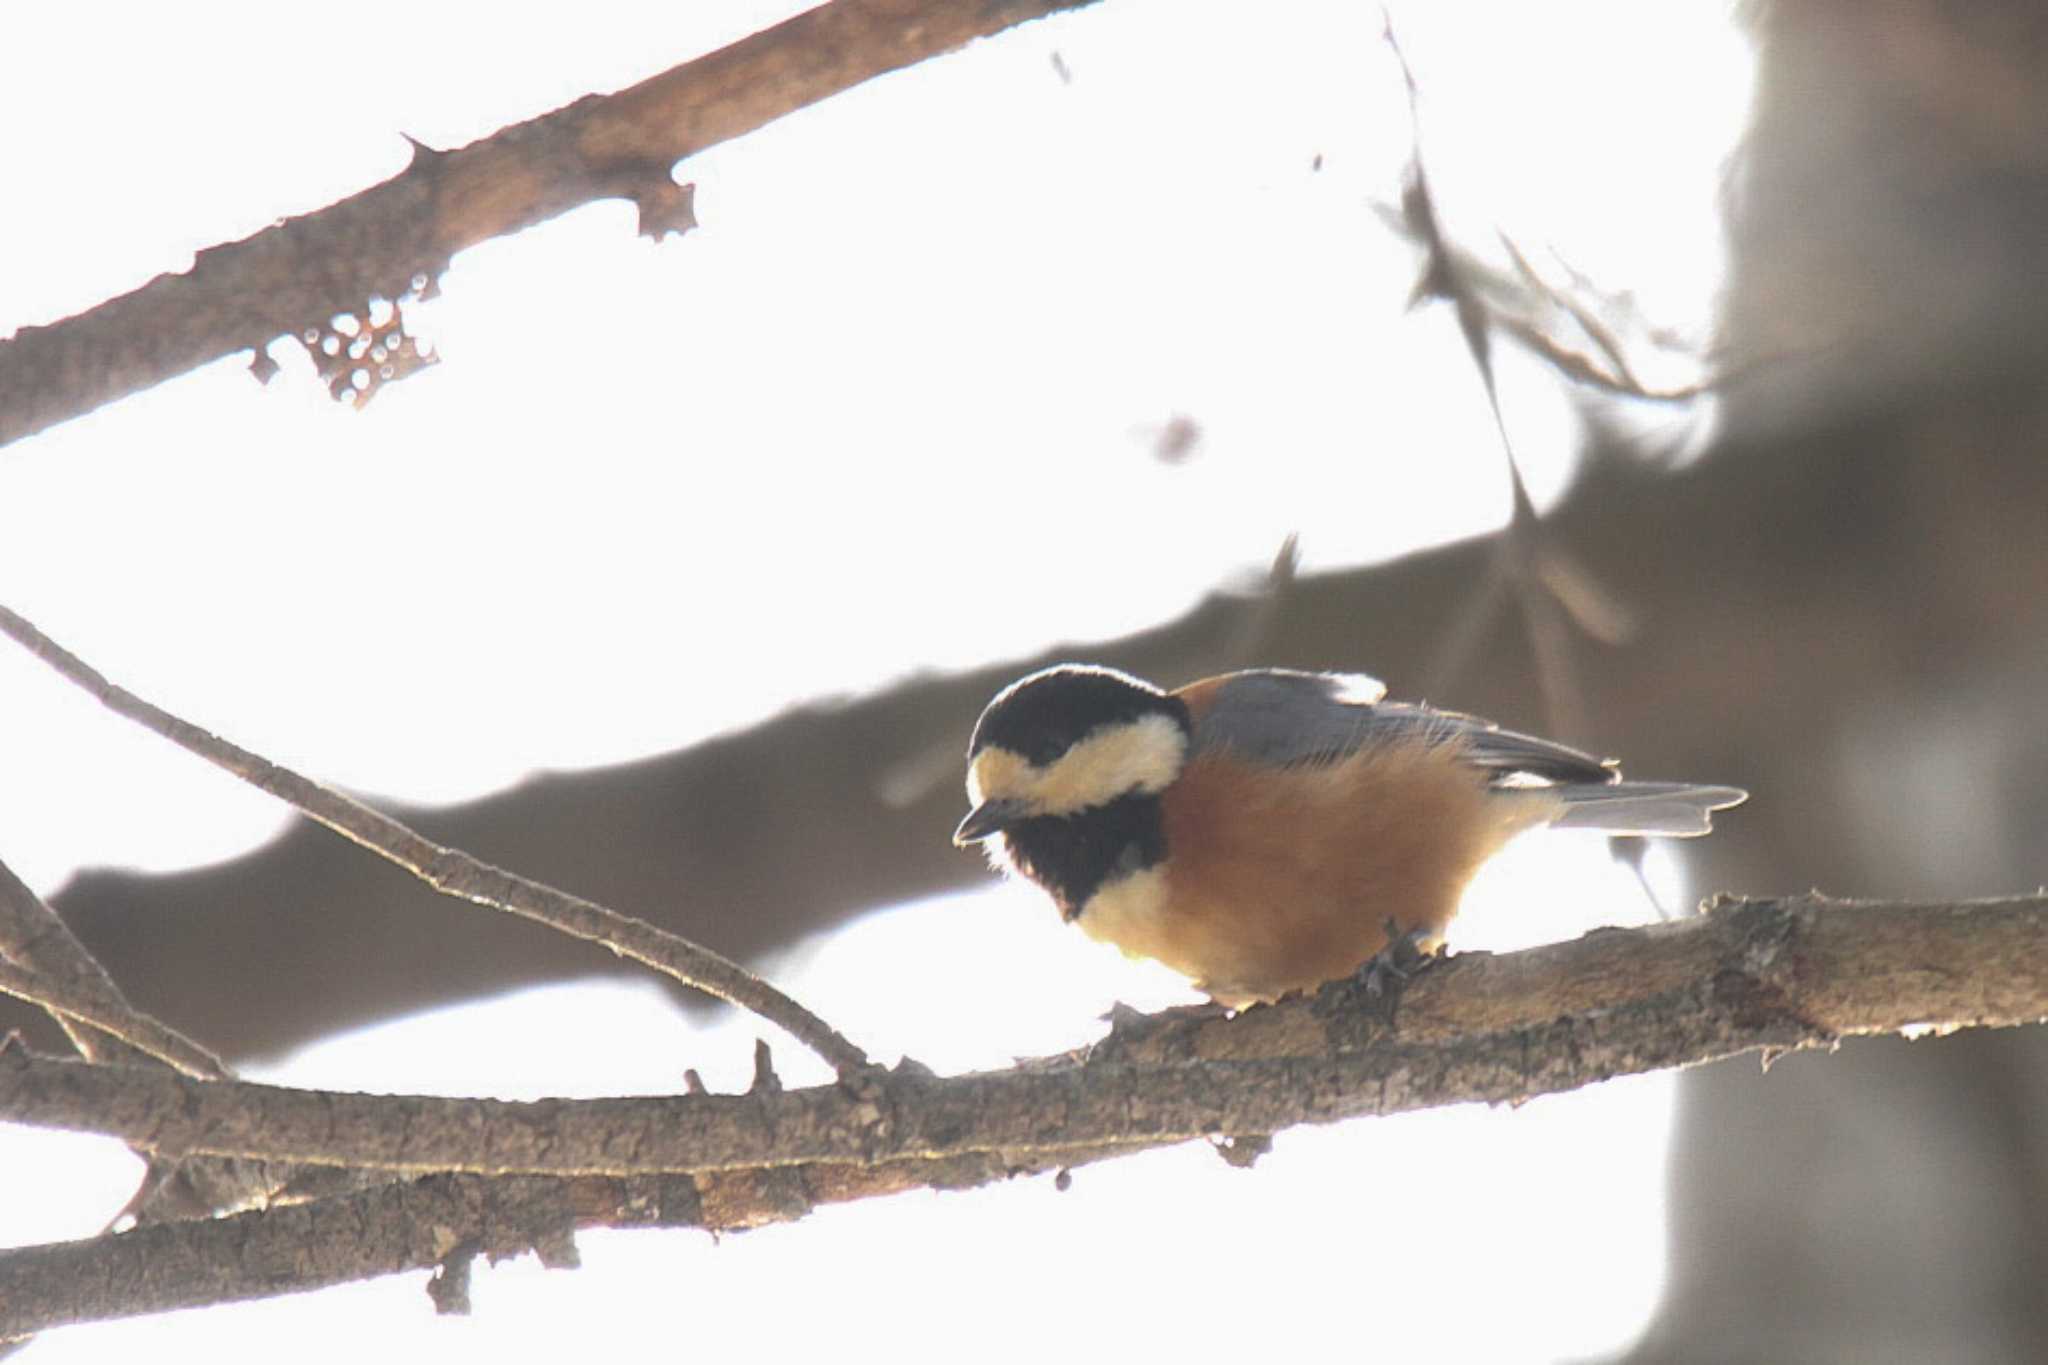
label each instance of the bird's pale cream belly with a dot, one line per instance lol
(1277, 881)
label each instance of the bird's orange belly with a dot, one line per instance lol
(1277, 881)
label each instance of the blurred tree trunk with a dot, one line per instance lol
(1888, 1204)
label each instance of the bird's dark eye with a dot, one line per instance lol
(1044, 747)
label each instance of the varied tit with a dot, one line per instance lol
(1260, 832)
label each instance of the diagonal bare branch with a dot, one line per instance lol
(454, 873)
(394, 239)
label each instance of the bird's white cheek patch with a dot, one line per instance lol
(1128, 913)
(1117, 760)
(1141, 756)
(998, 773)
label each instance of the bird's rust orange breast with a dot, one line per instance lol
(1279, 879)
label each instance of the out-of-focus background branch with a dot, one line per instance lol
(699, 841)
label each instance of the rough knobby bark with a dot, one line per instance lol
(1747, 975)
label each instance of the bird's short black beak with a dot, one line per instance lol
(988, 818)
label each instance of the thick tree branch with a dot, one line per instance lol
(1747, 975)
(1752, 974)
(454, 873)
(395, 238)
(440, 1223)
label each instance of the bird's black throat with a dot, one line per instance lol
(1074, 856)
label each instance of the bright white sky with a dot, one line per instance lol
(556, 548)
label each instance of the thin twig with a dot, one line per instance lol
(454, 873)
(1532, 573)
(1601, 335)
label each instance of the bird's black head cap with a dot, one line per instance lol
(1041, 716)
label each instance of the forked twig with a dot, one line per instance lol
(137, 1030)
(42, 962)
(1545, 583)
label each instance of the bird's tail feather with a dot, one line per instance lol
(1680, 809)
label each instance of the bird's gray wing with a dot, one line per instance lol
(1282, 718)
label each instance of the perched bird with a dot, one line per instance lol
(1261, 832)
